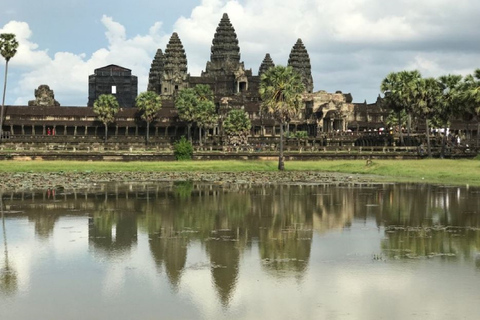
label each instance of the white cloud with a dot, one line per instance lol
(352, 44)
(67, 73)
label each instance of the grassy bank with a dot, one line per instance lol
(431, 170)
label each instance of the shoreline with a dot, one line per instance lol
(67, 181)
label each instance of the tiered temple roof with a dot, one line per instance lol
(156, 71)
(175, 66)
(225, 52)
(299, 60)
(267, 63)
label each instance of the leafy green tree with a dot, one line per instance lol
(8, 49)
(195, 105)
(281, 91)
(183, 149)
(237, 127)
(106, 107)
(149, 103)
(205, 116)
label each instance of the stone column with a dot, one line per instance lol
(33, 129)
(75, 131)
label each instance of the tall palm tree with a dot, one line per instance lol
(8, 49)
(106, 107)
(186, 103)
(472, 85)
(451, 102)
(149, 103)
(427, 98)
(281, 91)
(400, 94)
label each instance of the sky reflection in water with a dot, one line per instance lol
(193, 251)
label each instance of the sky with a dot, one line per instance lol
(353, 44)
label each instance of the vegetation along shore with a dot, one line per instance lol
(37, 175)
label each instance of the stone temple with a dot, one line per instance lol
(233, 85)
(237, 87)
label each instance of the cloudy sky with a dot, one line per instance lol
(353, 44)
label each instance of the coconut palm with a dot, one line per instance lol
(281, 91)
(149, 103)
(8, 49)
(106, 107)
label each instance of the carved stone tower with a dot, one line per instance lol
(299, 60)
(174, 76)
(225, 52)
(267, 63)
(156, 73)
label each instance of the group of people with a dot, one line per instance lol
(50, 132)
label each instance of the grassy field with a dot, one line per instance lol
(429, 170)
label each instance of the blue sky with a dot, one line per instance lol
(353, 44)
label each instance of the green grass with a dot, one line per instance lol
(428, 170)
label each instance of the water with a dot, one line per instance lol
(196, 251)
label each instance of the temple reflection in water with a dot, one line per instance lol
(278, 222)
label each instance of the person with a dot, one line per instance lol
(49, 132)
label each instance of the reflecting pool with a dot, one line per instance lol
(198, 251)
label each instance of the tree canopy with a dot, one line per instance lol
(106, 107)
(148, 103)
(8, 49)
(237, 127)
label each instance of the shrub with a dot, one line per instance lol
(183, 149)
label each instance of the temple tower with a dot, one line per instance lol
(267, 63)
(225, 52)
(156, 73)
(299, 60)
(174, 77)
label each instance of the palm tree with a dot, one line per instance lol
(399, 89)
(281, 91)
(8, 49)
(427, 98)
(149, 103)
(451, 103)
(186, 103)
(472, 95)
(106, 107)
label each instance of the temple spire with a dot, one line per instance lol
(225, 52)
(267, 63)
(175, 66)
(299, 60)
(156, 73)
